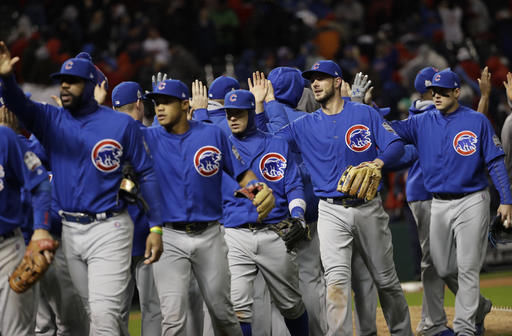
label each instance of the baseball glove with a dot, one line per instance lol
(362, 180)
(292, 230)
(33, 265)
(498, 233)
(260, 195)
(129, 188)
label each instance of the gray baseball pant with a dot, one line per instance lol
(366, 225)
(458, 243)
(60, 309)
(99, 257)
(204, 254)
(17, 311)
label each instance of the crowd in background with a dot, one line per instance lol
(390, 40)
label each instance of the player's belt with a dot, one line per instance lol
(7, 235)
(347, 202)
(189, 227)
(447, 197)
(253, 226)
(86, 218)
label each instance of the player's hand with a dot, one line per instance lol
(346, 91)
(100, 92)
(484, 82)
(8, 119)
(199, 95)
(154, 248)
(359, 87)
(258, 86)
(57, 100)
(264, 201)
(508, 87)
(6, 62)
(270, 93)
(505, 212)
(156, 79)
(368, 96)
(43, 234)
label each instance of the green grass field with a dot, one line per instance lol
(501, 296)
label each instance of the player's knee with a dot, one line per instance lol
(295, 312)
(387, 280)
(341, 276)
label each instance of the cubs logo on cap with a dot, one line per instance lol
(446, 79)
(465, 143)
(172, 88)
(106, 155)
(239, 99)
(357, 138)
(78, 67)
(424, 79)
(327, 67)
(272, 166)
(207, 160)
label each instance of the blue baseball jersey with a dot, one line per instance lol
(330, 143)
(18, 170)
(453, 149)
(189, 169)
(272, 162)
(85, 150)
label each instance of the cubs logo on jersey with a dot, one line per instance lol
(106, 155)
(358, 138)
(272, 166)
(207, 160)
(465, 142)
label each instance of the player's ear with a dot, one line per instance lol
(456, 93)
(338, 82)
(185, 105)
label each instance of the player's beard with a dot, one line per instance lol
(73, 103)
(328, 94)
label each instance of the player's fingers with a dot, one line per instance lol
(364, 186)
(357, 183)
(249, 83)
(49, 256)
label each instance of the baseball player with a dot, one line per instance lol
(127, 98)
(345, 134)
(189, 157)
(288, 89)
(454, 145)
(19, 169)
(87, 145)
(254, 246)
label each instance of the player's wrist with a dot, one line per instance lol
(156, 229)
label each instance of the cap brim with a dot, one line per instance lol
(441, 86)
(307, 74)
(233, 107)
(153, 95)
(57, 76)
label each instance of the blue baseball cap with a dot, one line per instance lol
(170, 87)
(78, 67)
(446, 79)
(126, 93)
(222, 85)
(240, 100)
(326, 67)
(424, 79)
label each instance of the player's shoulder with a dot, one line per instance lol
(106, 113)
(7, 134)
(206, 128)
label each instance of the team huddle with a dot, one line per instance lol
(233, 212)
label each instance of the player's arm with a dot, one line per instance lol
(33, 115)
(270, 114)
(199, 102)
(508, 89)
(406, 160)
(294, 188)
(484, 82)
(138, 154)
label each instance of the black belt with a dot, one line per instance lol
(447, 197)
(347, 202)
(188, 227)
(7, 235)
(253, 226)
(86, 218)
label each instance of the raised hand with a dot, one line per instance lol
(199, 95)
(6, 62)
(100, 92)
(155, 80)
(346, 91)
(508, 86)
(359, 87)
(258, 86)
(484, 82)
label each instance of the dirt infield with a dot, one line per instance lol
(497, 323)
